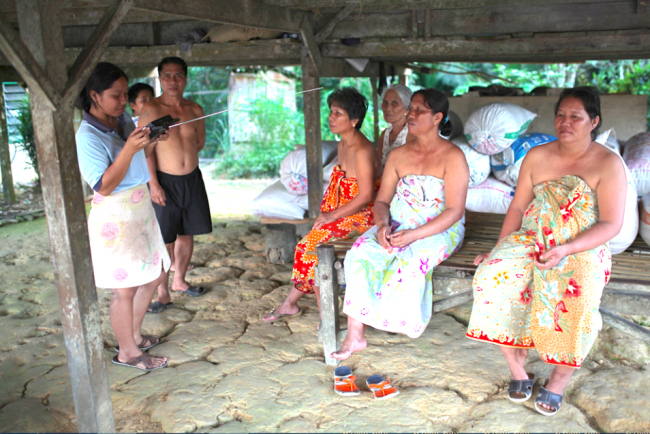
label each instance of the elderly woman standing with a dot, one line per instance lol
(541, 285)
(395, 102)
(126, 244)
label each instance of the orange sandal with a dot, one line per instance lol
(344, 382)
(381, 388)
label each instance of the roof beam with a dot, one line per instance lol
(374, 5)
(541, 48)
(311, 46)
(329, 27)
(94, 49)
(247, 13)
(24, 62)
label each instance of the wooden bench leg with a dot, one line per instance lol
(280, 243)
(329, 302)
(453, 301)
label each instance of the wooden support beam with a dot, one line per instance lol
(329, 303)
(8, 191)
(17, 53)
(634, 330)
(542, 48)
(329, 27)
(311, 46)
(386, 5)
(94, 49)
(66, 220)
(375, 108)
(247, 13)
(310, 80)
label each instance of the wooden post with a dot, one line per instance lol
(403, 79)
(5, 157)
(312, 137)
(40, 29)
(329, 302)
(374, 84)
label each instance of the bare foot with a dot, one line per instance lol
(348, 347)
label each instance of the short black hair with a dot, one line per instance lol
(172, 60)
(438, 103)
(102, 78)
(352, 102)
(135, 90)
(590, 100)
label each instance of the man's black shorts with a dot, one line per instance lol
(186, 210)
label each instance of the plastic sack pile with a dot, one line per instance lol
(287, 198)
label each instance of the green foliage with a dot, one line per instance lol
(26, 132)
(208, 87)
(277, 130)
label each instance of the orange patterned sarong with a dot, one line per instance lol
(340, 191)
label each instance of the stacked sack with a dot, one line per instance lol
(630, 227)
(507, 163)
(644, 228)
(637, 156)
(490, 132)
(287, 198)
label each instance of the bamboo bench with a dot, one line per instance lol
(628, 291)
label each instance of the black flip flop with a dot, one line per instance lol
(193, 291)
(157, 307)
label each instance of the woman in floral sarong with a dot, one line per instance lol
(346, 210)
(419, 214)
(541, 286)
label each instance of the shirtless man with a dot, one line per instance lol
(176, 184)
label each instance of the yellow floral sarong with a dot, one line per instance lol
(556, 310)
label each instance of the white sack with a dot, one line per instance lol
(608, 138)
(636, 154)
(507, 164)
(479, 164)
(276, 202)
(630, 227)
(494, 127)
(293, 168)
(491, 196)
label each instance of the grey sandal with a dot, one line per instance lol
(521, 390)
(549, 398)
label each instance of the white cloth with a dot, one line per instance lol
(399, 141)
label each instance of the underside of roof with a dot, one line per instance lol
(392, 31)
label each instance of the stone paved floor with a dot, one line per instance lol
(230, 373)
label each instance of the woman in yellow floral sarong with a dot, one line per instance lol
(541, 286)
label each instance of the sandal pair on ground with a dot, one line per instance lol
(522, 390)
(145, 358)
(192, 291)
(344, 384)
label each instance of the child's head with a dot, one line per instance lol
(139, 94)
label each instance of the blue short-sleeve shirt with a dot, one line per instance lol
(97, 148)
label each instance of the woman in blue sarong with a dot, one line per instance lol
(419, 216)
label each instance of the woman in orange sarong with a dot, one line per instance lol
(346, 210)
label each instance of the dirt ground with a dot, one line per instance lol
(229, 372)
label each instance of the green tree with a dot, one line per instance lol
(26, 132)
